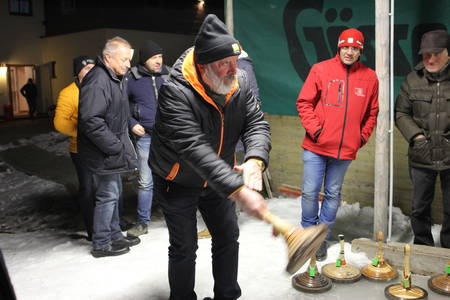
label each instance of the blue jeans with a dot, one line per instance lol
(321, 170)
(145, 180)
(106, 211)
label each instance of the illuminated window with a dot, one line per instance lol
(20, 7)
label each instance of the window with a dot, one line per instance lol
(20, 7)
(68, 7)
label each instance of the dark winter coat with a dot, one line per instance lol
(29, 91)
(143, 86)
(194, 138)
(245, 63)
(103, 112)
(423, 107)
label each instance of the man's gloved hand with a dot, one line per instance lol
(252, 173)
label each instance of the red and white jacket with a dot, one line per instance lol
(338, 106)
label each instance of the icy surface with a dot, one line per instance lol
(45, 262)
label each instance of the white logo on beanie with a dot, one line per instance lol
(350, 40)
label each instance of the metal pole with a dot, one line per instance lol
(382, 138)
(229, 16)
(391, 129)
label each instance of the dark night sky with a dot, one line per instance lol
(174, 16)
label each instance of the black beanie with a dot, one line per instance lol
(147, 50)
(80, 62)
(213, 42)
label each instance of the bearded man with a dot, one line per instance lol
(203, 109)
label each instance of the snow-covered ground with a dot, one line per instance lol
(45, 261)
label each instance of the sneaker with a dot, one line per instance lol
(114, 250)
(321, 253)
(204, 234)
(125, 225)
(127, 241)
(138, 229)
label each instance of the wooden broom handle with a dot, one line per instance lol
(280, 225)
(406, 261)
(380, 238)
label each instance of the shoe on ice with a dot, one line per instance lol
(127, 241)
(204, 234)
(321, 253)
(138, 229)
(114, 250)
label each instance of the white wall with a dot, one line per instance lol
(63, 48)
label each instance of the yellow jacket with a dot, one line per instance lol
(66, 113)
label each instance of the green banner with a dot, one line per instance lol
(286, 37)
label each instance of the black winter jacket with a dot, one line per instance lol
(194, 139)
(423, 107)
(103, 111)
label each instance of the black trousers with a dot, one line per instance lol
(424, 181)
(86, 200)
(6, 288)
(179, 205)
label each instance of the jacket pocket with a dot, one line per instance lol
(420, 152)
(446, 144)
(115, 161)
(421, 104)
(335, 93)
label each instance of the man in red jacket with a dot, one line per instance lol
(338, 106)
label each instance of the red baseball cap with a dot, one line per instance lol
(351, 38)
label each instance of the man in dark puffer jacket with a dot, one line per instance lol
(104, 145)
(202, 111)
(422, 114)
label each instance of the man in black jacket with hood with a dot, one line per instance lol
(203, 110)
(104, 144)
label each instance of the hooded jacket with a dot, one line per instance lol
(338, 106)
(66, 113)
(423, 107)
(143, 86)
(194, 139)
(103, 111)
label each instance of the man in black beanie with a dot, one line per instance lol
(66, 122)
(203, 110)
(144, 82)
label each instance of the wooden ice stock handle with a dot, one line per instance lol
(278, 224)
(406, 260)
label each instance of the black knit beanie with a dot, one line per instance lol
(80, 62)
(213, 42)
(147, 50)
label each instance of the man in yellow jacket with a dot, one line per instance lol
(65, 121)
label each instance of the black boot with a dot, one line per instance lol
(127, 241)
(114, 250)
(321, 253)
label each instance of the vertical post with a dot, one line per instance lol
(229, 16)
(382, 134)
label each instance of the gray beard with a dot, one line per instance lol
(215, 84)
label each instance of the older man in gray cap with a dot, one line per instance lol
(422, 114)
(203, 111)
